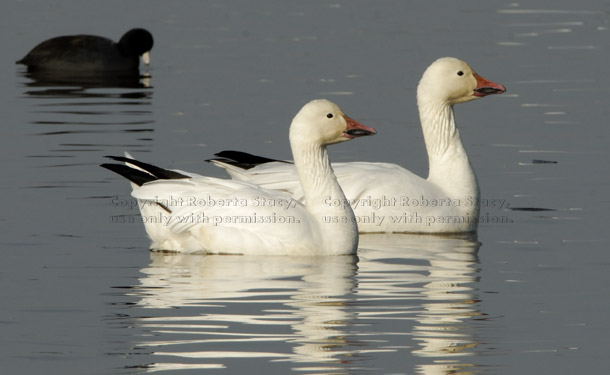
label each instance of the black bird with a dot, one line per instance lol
(90, 54)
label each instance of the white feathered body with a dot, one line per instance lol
(385, 197)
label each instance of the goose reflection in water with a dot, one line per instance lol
(404, 295)
(434, 278)
(303, 301)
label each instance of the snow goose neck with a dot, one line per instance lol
(387, 197)
(185, 212)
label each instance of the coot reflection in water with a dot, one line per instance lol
(86, 80)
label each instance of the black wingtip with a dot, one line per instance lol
(242, 159)
(136, 176)
(159, 173)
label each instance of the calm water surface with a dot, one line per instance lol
(82, 294)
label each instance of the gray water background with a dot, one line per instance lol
(81, 294)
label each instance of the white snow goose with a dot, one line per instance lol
(387, 197)
(185, 212)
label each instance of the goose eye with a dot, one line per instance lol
(460, 73)
(330, 115)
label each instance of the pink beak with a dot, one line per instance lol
(486, 87)
(356, 129)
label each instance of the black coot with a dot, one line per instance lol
(90, 54)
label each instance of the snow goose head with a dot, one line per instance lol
(321, 122)
(453, 81)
